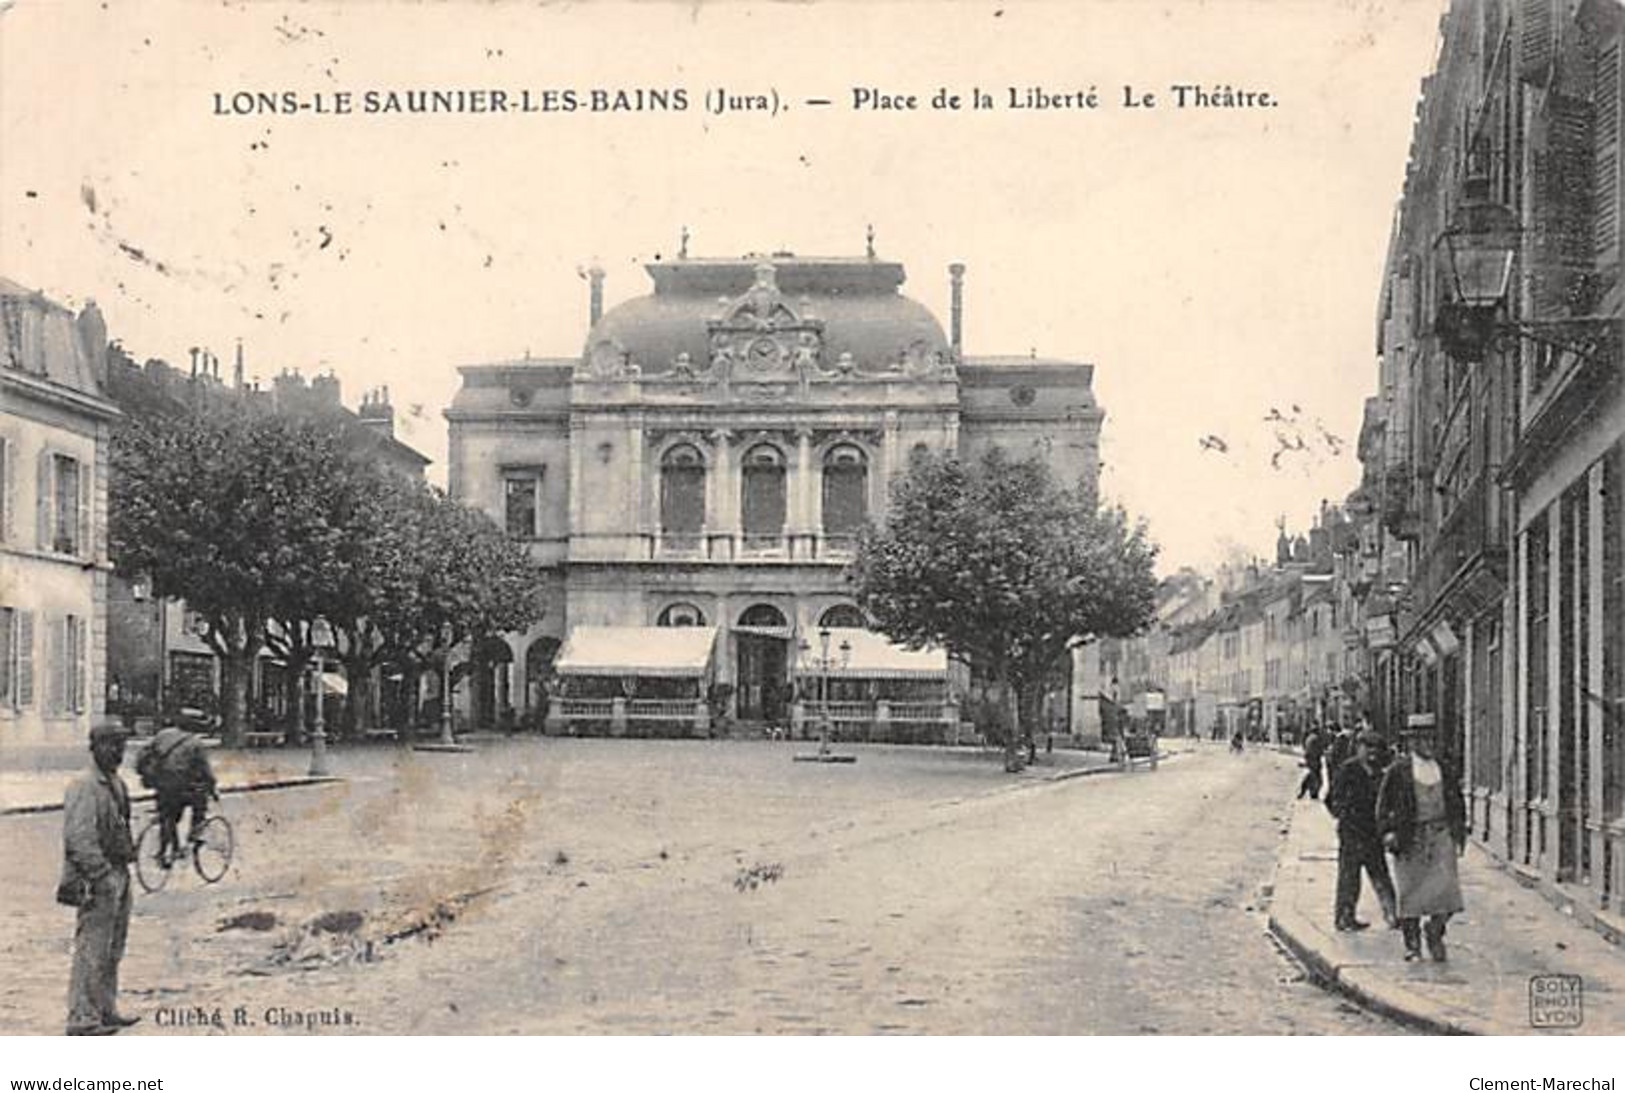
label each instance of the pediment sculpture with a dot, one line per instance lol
(761, 336)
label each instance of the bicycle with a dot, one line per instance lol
(212, 845)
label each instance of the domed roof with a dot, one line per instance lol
(855, 300)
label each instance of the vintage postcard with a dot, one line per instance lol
(760, 518)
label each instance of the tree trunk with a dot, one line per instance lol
(298, 660)
(1028, 702)
(236, 674)
(358, 710)
(1013, 760)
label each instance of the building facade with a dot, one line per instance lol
(711, 454)
(1493, 450)
(54, 422)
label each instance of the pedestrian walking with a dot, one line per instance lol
(97, 852)
(1353, 800)
(1422, 817)
(1314, 750)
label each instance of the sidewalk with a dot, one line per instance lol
(30, 791)
(1507, 935)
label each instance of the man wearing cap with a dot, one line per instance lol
(1353, 800)
(1422, 816)
(97, 852)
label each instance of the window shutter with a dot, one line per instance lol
(56, 664)
(1605, 162)
(87, 507)
(25, 659)
(1562, 217)
(76, 663)
(8, 495)
(42, 501)
(1536, 37)
(8, 657)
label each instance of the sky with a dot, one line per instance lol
(1220, 266)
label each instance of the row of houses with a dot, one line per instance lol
(1264, 649)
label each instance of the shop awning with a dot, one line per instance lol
(334, 684)
(872, 656)
(637, 651)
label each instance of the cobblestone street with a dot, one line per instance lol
(618, 886)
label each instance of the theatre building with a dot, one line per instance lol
(707, 460)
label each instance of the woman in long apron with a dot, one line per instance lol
(1422, 818)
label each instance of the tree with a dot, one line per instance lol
(1005, 569)
(241, 513)
(423, 575)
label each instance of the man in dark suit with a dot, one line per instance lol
(1314, 749)
(97, 852)
(1339, 750)
(1353, 800)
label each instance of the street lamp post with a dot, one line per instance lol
(824, 662)
(447, 737)
(321, 636)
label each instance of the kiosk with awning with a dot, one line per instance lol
(873, 687)
(624, 675)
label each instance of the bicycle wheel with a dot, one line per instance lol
(212, 852)
(150, 870)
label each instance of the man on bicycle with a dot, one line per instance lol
(176, 767)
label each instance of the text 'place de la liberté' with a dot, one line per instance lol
(1026, 97)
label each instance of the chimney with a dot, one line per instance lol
(595, 298)
(376, 413)
(286, 389)
(195, 351)
(325, 391)
(238, 376)
(93, 336)
(956, 311)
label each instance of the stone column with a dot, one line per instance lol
(724, 488)
(890, 464)
(577, 454)
(637, 490)
(803, 529)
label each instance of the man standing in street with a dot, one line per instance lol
(97, 852)
(1314, 748)
(1353, 800)
(1339, 750)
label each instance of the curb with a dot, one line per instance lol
(1335, 977)
(1110, 768)
(225, 791)
(1396, 1004)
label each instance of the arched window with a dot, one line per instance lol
(682, 495)
(763, 614)
(843, 616)
(681, 614)
(763, 495)
(846, 491)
